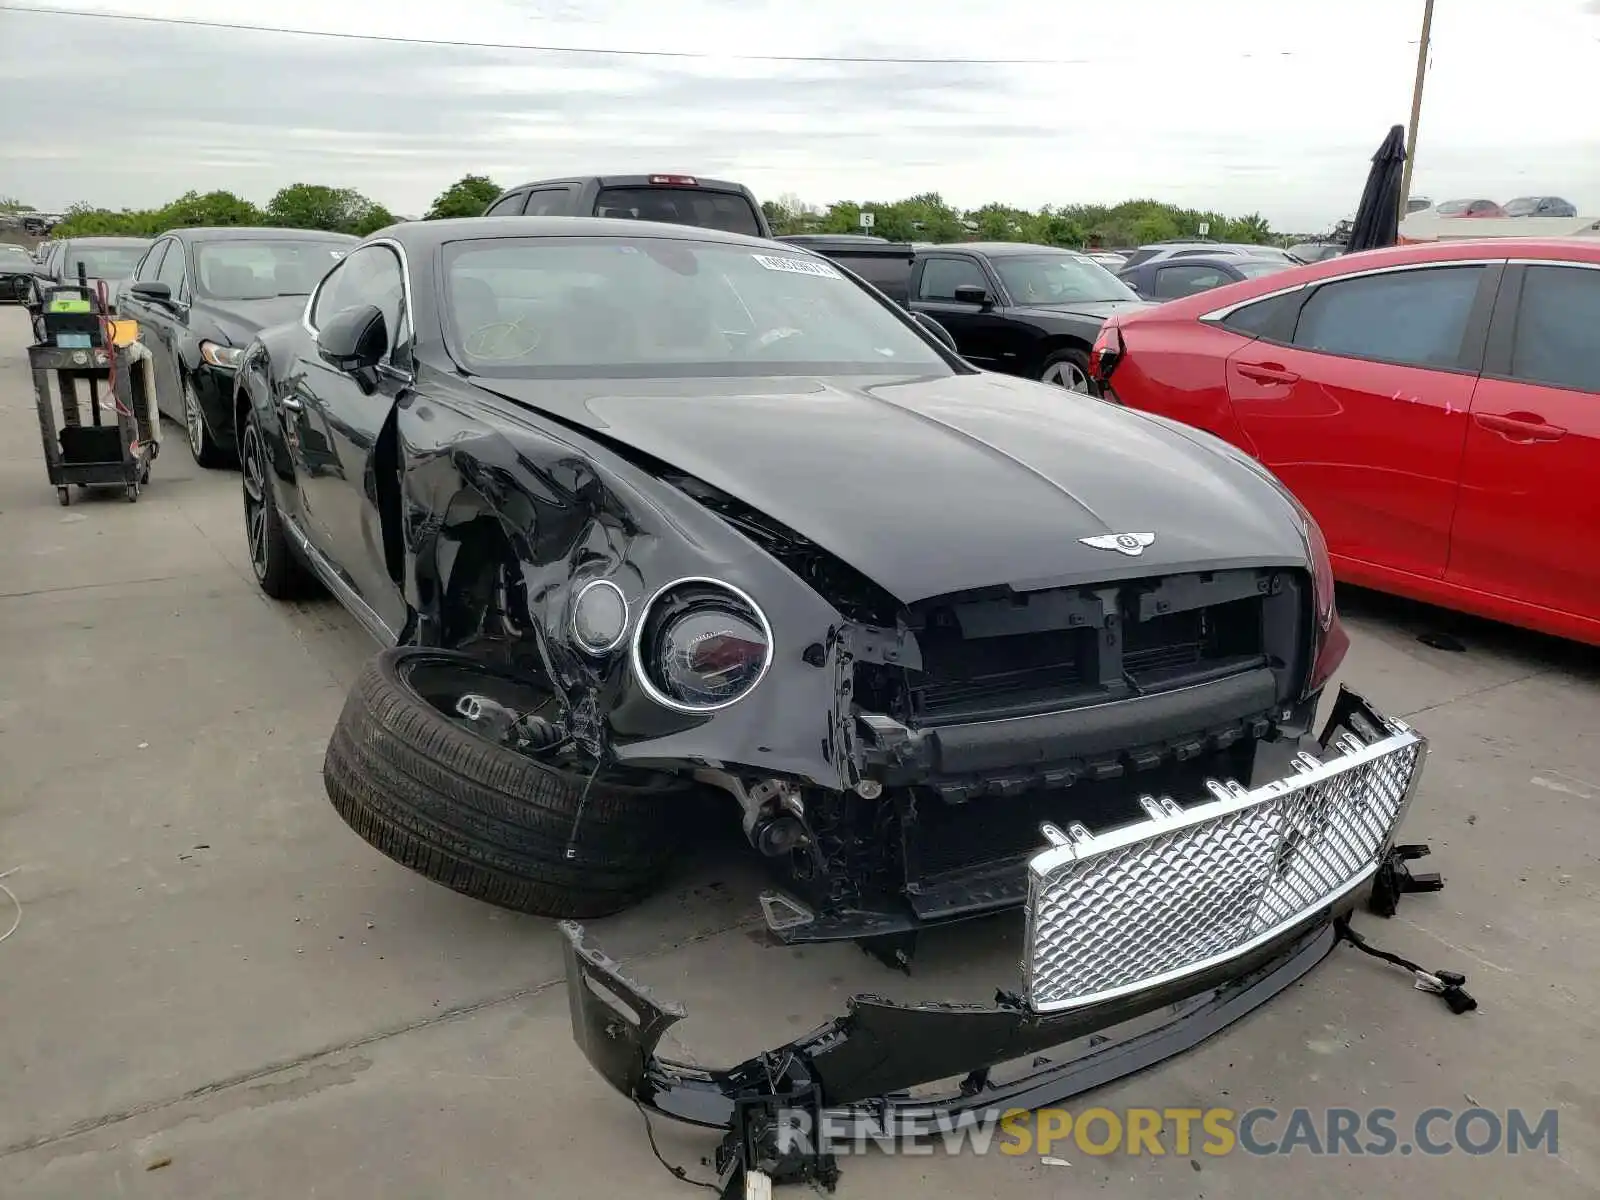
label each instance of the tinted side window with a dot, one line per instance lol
(1186, 281)
(1557, 340)
(1137, 257)
(1417, 318)
(170, 272)
(942, 276)
(371, 275)
(508, 206)
(1263, 316)
(551, 202)
(891, 276)
(151, 263)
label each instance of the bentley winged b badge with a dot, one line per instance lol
(1131, 544)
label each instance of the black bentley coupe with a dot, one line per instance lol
(646, 513)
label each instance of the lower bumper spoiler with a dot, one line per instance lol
(1043, 1047)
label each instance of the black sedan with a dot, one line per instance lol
(1170, 278)
(1025, 310)
(17, 273)
(639, 510)
(200, 295)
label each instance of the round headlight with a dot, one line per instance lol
(599, 616)
(701, 645)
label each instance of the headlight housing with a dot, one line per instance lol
(701, 645)
(218, 355)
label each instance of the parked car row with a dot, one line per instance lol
(1522, 206)
(1404, 511)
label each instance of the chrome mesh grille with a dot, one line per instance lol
(1186, 889)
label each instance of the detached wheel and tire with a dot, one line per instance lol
(444, 795)
(1066, 369)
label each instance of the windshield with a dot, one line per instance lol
(1046, 279)
(680, 206)
(1262, 266)
(1451, 208)
(101, 262)
(643, 307)
(10, 251)
(262, 268)
(1522, 207)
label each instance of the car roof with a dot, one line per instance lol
(639, 179)
(428, 234)
(1189, 260)
(1000, 249)
(254, 233)
(1581, 249)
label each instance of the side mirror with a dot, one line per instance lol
(937, 330)
(354, 339)
(969, 293)
(156, 293)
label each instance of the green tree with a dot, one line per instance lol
(11, 204)
(85, 220)
(210, 209)
(466, 197)
(374, 218)
(317, 206)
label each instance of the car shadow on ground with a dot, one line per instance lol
(1460, 633)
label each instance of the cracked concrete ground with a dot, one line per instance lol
(214, 978)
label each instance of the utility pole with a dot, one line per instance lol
(1416, 106)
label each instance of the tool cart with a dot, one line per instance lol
(83, 344)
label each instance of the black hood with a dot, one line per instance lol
(240, 320)
(937, 486)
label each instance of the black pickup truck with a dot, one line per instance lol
(1025, 310)
(676, 199)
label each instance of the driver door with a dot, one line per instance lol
(332, 420)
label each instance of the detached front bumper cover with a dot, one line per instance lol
(1141, 942)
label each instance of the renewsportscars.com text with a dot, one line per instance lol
(1329, 1132)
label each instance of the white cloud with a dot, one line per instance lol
(1197, 104)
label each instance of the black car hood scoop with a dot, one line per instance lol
(937, 486)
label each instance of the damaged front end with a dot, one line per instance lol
(1140, 941)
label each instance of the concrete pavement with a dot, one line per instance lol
(216, 989)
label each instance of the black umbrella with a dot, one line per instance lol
(1377, 220)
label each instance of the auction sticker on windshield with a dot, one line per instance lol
(796, 266)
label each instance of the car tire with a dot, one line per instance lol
(1066, 369)
(201, 444)
(279, 571)
(437, 794)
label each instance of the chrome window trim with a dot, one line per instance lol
(1552, 262)
(405, 287)
(1220, 314)
(636, 651)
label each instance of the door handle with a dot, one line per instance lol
(1267, 373)
(1520, 427)
(292, 403)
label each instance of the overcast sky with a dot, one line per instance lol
(1237, 105)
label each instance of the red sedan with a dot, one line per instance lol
(1435, 407)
